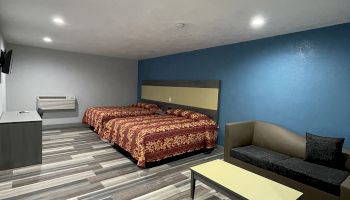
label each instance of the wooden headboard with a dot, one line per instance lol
(200, 96)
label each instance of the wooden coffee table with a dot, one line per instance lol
(237, 183)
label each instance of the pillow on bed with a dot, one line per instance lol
(187, 114)
(151, 106)
(146, 106)
(195, 115)
(176, 112)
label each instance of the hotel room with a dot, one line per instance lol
(175, 100)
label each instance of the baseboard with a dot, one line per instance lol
(59, 126)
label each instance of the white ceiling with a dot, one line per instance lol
(139, 29)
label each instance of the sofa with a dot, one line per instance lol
(278, 154)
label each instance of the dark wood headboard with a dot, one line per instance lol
(196, 95)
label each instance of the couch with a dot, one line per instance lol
(278, 154)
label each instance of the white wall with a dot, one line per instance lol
(94, 80)
(2, 81)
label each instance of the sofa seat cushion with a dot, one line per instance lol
(258, 156)
(321, 177)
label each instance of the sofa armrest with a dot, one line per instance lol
(345, 189)
(237, 135)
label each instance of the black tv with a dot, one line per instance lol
(2, 59)
(6, 61)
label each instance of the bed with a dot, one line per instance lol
(97, 117)
(156, 137)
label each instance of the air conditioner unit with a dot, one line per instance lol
(56, 102)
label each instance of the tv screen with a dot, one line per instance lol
(6, 62)
(2, 59)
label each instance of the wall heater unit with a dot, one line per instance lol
(56, 102)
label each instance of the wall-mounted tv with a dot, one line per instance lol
(6, 61)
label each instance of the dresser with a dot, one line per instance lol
(20, 139)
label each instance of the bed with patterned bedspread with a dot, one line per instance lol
(97, 117)
(156, 137)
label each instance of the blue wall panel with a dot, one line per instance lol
(300, 81)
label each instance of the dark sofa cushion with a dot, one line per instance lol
(324, 178)
(325, 151)
(258, 156)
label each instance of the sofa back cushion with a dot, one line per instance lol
(278, 139)
(325, 151)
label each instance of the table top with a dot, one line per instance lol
(16, 116)
(245, 183)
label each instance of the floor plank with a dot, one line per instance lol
(78, 165)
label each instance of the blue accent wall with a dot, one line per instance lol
(300, 81)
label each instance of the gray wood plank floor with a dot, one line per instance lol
(78, 165)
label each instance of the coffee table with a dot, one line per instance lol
(237, 183)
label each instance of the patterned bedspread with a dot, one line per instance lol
(99, 116)
(155, 137)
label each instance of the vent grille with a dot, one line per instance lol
(56, 102)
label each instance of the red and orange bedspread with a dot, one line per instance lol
(99, 116)
(155, 137)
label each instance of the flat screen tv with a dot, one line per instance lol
(2, 59)
(6, 61)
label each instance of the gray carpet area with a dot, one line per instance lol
(78, 165)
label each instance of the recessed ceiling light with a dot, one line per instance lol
(257, 22)
(58, 21)
(47, 39)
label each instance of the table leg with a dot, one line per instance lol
(193, 185)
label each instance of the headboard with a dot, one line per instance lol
(196, 95)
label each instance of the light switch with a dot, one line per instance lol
(170, 99)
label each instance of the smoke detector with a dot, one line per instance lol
(180, 25)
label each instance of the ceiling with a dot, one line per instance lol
(138, 29)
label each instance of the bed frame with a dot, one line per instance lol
(197, 95)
